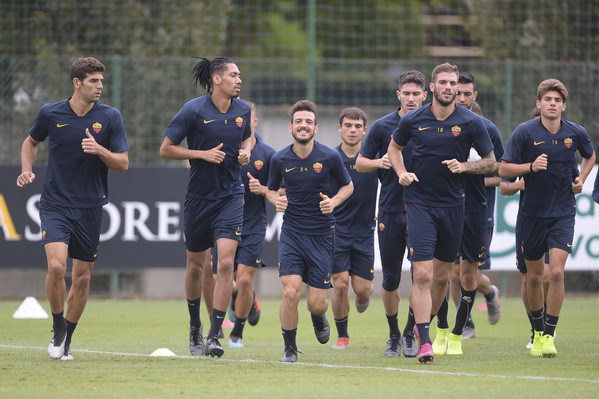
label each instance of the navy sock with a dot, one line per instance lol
(537, 320)
(489, 297)
(289, 338)
(532, 326)
(238, 327)
(423, 334)
(342, 327)
(410, 323)
(550, 324)
(70, 329)
(442, 314)
(216, 322)
(393, 326)
(193, 306)
(58, 322)
(463, 312)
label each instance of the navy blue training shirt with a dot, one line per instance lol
(435, 141)
(76, 179)
(205, 127)
(254, 209)
(355, 216)
(548, 193)
(305, 178)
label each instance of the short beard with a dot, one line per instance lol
(443, 102)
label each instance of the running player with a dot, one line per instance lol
(248, 257)
(474, 249)
(306, 243)
(442, 135)
(543, 150)
(391, 216)
(354, 228)
(86, 139)
(218, 132)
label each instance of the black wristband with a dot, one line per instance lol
(531, 171)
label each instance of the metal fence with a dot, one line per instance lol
(337, 53)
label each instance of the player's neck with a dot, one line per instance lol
(79, 106)
(552, 125)
(302, 150)
(221, 101)
(440, 111)
(351, 150)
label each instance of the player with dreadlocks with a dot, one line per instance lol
(218, 132)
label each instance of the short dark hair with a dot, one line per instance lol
(84, 66)
(353, 113)
(552, 85)
(535, 113)
(205, 69)
(465, 78)
(412, 76)
(445, 67)
(302, 105)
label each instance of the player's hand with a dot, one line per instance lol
(454, 165)
(520, 184)
(406, 178)
(89, 144)
(214, 155)
(255, 186)
(326, 205)
(244, 157)
(540, 163)
(384, 162)
(577, 185)
(25, 178)
(281, 205)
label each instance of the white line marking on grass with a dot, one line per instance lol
(325, 365)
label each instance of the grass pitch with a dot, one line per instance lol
(113, 341)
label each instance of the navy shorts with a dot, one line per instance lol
(205, 221)
(307, 255)
(434, 232)
(392, 235)
(485, 263)
(474, 237)
(354, 254)
(79, 228)
(249, 252)
(540, 234)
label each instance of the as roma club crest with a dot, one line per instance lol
(568, 142)
(317, 167)
(381, 226)
(239, 121)
(456, 130)
(258, 164)
(97, 127)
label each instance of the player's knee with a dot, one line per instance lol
(244, 282)
(364, 291)
(292, 293)
(391, 281)
(56, 270)
(340, 285)
(423, 277)
(317, 305)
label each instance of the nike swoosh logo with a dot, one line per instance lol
(289, 170)
(420, 128)
(59, 125)
(238, 233)
(206, 122)
(327, 281)
(538, 142)
(371, 271)
(220, 317)
(569, 245)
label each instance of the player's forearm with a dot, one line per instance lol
(396, 158)
(492, 181)
(366, 165)
(586, 167)
(343, 194)
(117, 161)
(508, 188)
(486, 165)
(272, 196)
(28, 154)
(508, 170)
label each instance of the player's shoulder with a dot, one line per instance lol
(383, 122)
(240, 106)
(262, 146)
(54, 107)
(572, 126)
